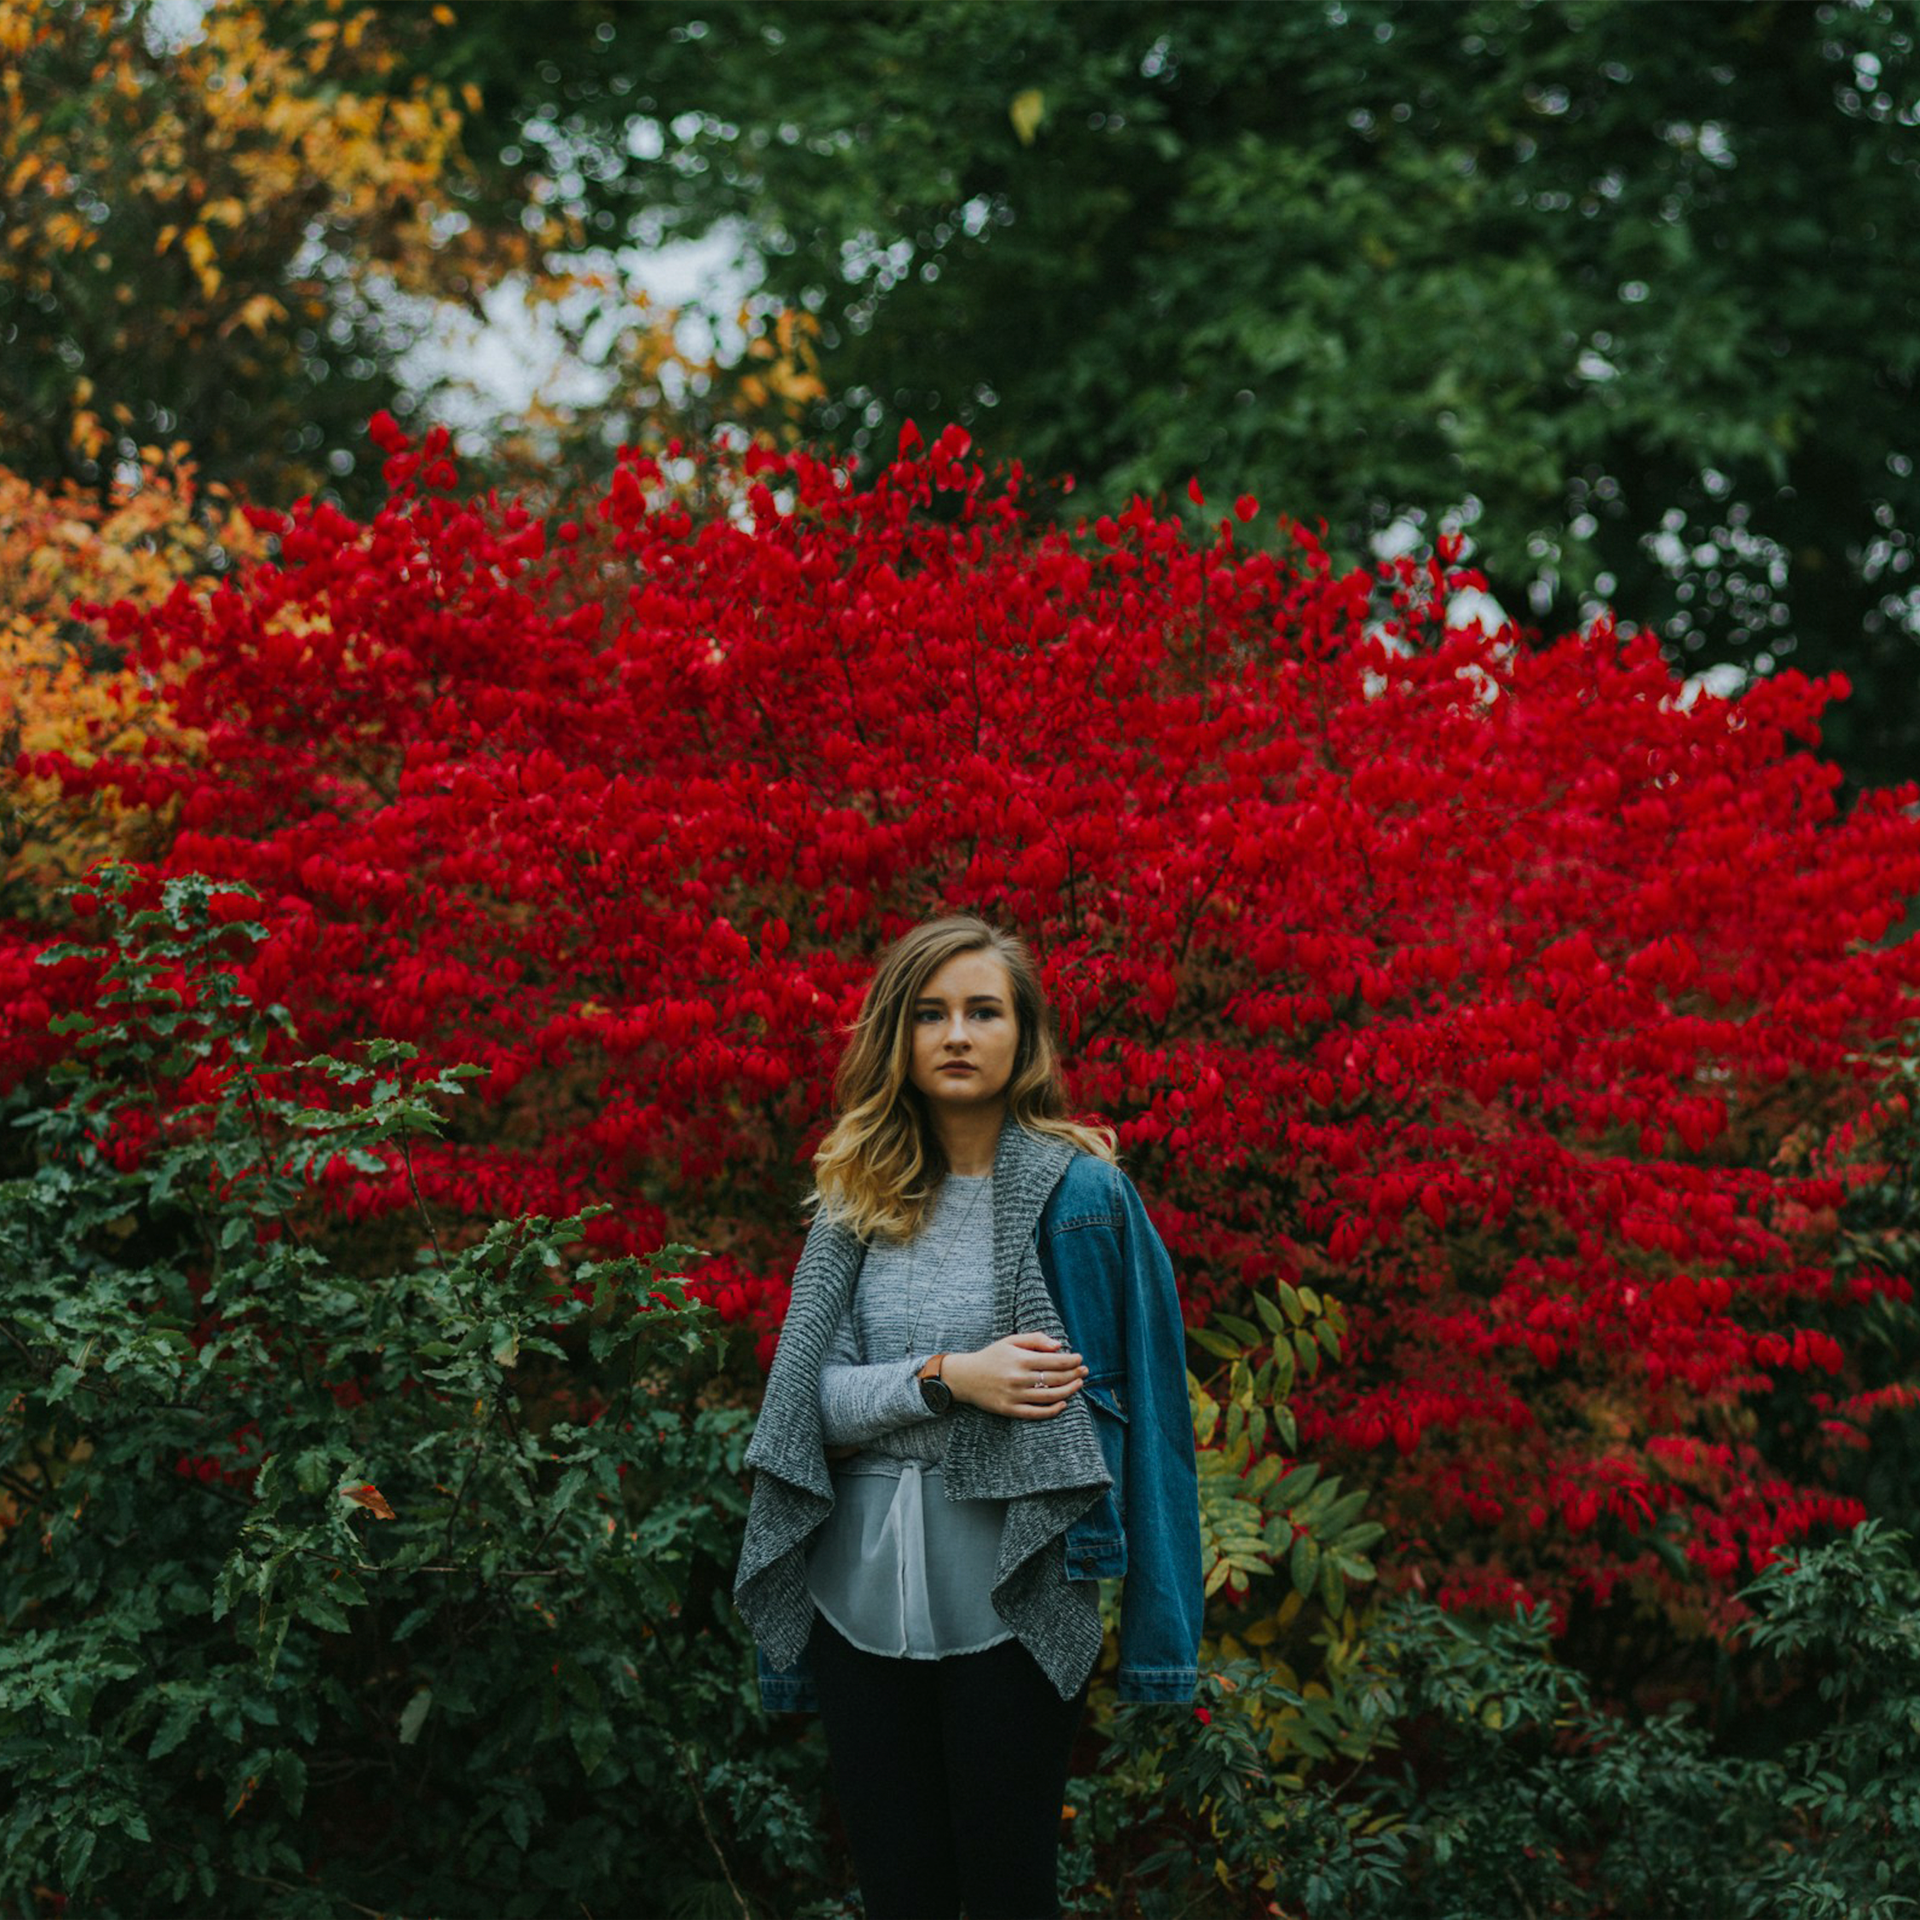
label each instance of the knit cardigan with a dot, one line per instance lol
(1048, 1471)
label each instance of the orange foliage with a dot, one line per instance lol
(57, 694)
(223, 196)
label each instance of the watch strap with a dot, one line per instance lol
(934, 1391)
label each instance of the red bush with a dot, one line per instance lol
(1489, 984)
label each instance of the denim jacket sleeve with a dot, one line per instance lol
(1121, 1306)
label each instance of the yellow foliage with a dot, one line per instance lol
(56, 547)
(258, 313)
(205, 191)
(229, 155)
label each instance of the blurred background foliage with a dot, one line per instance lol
(202, 214)
(1626, 293)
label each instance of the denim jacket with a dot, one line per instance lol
(1112, 1282)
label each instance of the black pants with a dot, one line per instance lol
(950, 1775)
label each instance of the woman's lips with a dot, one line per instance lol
(957, 1069)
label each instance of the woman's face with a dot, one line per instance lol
(964, 1016)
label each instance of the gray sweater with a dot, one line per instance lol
(1048, 1471)
(934, 1295)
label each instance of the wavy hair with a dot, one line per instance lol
(878, 1171)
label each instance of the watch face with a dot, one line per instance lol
(937, 1394)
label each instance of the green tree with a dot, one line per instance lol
(1625, 290)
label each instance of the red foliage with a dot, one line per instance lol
(1491, 985)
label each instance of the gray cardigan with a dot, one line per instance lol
(1048, 1471)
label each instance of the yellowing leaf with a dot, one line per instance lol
(68, 232)
(256, 315)
(370, 1497)
(1027, 110)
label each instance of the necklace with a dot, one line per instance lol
(959, 1234)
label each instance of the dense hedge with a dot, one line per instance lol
(335, 1586)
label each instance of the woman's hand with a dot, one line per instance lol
(1027, 1376)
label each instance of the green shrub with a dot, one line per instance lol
(229, 1681)
(1463, 1773)
(1850, 1614)
(231, 1684)
(1510, 1792)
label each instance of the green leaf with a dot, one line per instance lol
(1216, 1344)
(413, 1716)
(1333, 1591)
(1304, 1564)
(1299, 1483)
(517, 1817)
(566, 1492)
(76, 1849)
(1342, 1514)
(412, 1621)
(318, 1607)
(592, 1737)
(175, 1724)
(289, 1773)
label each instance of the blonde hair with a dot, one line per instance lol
(878, 1170)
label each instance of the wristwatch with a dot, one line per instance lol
(933, 1390)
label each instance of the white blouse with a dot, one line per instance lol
(898, 1567)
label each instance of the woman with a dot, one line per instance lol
(977, 1410)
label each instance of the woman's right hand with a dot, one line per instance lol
(1027, 1376)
